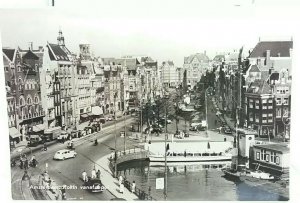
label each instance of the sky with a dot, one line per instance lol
(164, 30)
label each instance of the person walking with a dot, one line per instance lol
(26, 164)
(98, 174)
(122, 188)
(120, 180)
(94, 173)
(133, 187)
(84, 176)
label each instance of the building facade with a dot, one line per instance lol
(63, 63)
(195, 66)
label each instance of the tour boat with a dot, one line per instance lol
(191, 157)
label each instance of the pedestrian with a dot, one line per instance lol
(225, 139)
(84, 176)
(93, 173)
(26, 164)
(21, 163)
(98, 174)
(122, 188)
(63, 140)
(120, 180)
(133, 187)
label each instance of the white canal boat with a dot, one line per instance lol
(200, 151)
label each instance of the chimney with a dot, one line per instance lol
(41, 49)
(278, 54)
(205, 52)
(268, 53)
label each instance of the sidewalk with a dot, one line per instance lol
(111, 183)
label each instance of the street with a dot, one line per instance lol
(67, 172)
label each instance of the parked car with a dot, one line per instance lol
(64, 154)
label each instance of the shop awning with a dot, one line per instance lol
(82, 125)
(13, 132)
(97, 110)
(84, 115)
(39, 127)
(50, 130)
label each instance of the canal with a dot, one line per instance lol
(193, 182)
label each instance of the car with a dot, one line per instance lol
(195, 124)
(227, 130)
(64, 154)
(94, 185)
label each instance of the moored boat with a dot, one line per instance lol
(191, 157)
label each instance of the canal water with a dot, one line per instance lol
(193, 182)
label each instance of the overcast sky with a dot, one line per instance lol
(165, 30)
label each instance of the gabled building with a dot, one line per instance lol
(195, 66)
(11, 86)
(272, 54)
(170, 74)
(23, 93)
(112, 86)
(63, 63)
(260, 108)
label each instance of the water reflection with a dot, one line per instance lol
(192, 181)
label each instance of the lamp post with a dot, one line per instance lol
(115, 95)
(165, 182)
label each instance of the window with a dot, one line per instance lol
(29, 100)
(285, 101)
(278, 112)
(21, 101)
(257, 155)
(278, 101)
(267, 157)
(270, 101)
(257, 104)
(6, 68)
(277, 160)
(36, 100)
(19, 68)
(263, 154)
(257, 118)
(250, 103)
(250, 116)
(273, 154)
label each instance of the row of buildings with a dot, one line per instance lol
(254, 88)
(51, 87)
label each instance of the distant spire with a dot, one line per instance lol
(60, 38)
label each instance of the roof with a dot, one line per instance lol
(170, 63)
(58, 52)
(274, 76)
(275, 47)
(259, 86)
(280, 147)
(219, 58)
(9, 53)
(254, 68)
(264, 75)
(30, 55)
(199, 56)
